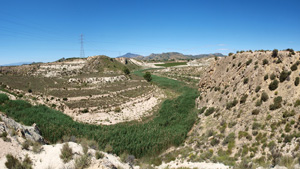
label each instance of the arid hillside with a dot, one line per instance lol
(249, 113)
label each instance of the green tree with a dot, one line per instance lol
(275, 53)
(126, 71)
(147, 76)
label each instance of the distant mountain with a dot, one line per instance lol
(130, 55)
(17, 64)
(178, 56)
(168, 56)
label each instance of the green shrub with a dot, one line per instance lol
(117, 109)
(243, 98)
(229, 54)
(287, 161)
(244, 134)
(13, 163)
(264, 97)
(249, 62)
(85, 110)
(126, 71)
(99, 155)
(273, 85)
(287, 114)
(230, 138)
(273, 76)
(265, 62)
(294, 67)
(202, 110)
(266, 77)
(297, 81)
(256, 126)
(108, 148)
(29, 90)
(255, 112)
(257, 89)
(3, 98)
(276, 104)
(275, 53)
(209, 111)
(148, 77)
(231, 104)
(283, 75)
(36, 148)
(287, 127)
(214, 141)
(65, 99)
(82, 162)
(246, 80)
(269, 117)
(258, 103)
(297, 103)
(25, 145)
(66, 153)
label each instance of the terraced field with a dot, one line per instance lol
(93, 90)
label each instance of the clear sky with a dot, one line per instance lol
(46, 30)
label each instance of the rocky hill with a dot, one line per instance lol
(71, 67)
(249, 113)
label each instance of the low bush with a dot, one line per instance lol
(257, 89)
(294, 67)
(266, 77)
(3, 98)
(297, 81)
(243, 98)
(246, 81)
(297, 103)
(230, 138)
(272, 76)
(264, 97)
(265, 62)
(202, 110)
(66, 153)
(273, 85)
(256, 126)
(249, 62)
(14, 163)
(255, 112)
(108, 148)
(284, 75)
(99, 155)
(82, 162)
(258, 103)
(277, 103)
(231, 104)
(209, 111)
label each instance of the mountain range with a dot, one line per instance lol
(168, 56)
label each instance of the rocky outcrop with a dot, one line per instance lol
(29, 132)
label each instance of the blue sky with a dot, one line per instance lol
(48, 30)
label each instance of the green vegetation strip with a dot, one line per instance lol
(169, 128)
(171, 64)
